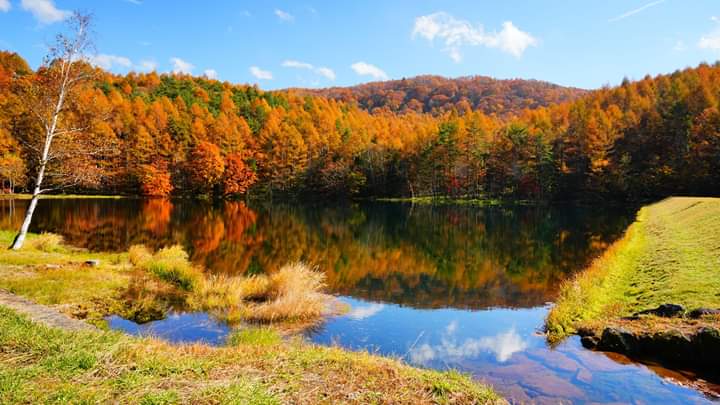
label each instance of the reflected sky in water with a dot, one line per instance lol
(502, 347)
(177, 328)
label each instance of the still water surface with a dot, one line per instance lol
(439, 286)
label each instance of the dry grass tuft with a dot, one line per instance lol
(170, 264)
(45, 242)
(138, 254)
(293, 293)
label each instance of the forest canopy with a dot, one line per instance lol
(177, 134)
(437, 94)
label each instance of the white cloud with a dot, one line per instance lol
(326, 72)
(502, 345)
(284, 16)
(514, 41)
(451, 328)
(366, 69)
(360, 313)
(635, 11)
(296, 64)
(147, 65)
(181, 66)
(44, 11)
(107, 62)
(211, 74)
(115, 62)
(260, 74)
(322, 70)
(5, 6)
(455, 34)
(710, 41)
(138, 2)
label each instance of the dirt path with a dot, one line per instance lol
(42, 313)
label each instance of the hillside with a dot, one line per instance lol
(161, 134)
(437, 94)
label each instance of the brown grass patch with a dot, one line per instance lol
(45, 242)
(293, 293)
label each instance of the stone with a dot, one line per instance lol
(539, 380)
(92, 262)
(672, 345)
(617, 340)
(600, 361)
(665, 311)
(553, 359)
(53, 266)
(513, 392)
(707, 345)
(589, 341)
(42, 313)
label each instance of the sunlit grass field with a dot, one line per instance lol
(671, 254)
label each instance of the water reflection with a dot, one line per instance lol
(365, 311)
(425, 256)
(502, 345)
(177, 328)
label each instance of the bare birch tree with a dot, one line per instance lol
(47, 96)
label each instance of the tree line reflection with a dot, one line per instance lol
(423, 256)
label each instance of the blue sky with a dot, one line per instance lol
(336, 43)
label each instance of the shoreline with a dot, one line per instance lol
(23, 196)
(649, 294)
(112, 366)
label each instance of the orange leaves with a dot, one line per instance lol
(238, 175)
(205, 167)
(154, 181)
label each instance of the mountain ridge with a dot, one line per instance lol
(438, 94)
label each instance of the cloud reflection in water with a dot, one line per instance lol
(360, 313)
(502, 345)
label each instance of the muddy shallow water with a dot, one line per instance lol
(442, 287)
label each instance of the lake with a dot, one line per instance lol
(447, 286)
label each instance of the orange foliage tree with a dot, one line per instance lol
(205, 167)
(155, 181)
(239, 176)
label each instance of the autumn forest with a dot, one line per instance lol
(167, 134)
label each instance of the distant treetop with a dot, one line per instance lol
(437, 94)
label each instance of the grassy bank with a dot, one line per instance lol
(670, 254)
(60, 196)
(441, 200)
(44, 365)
